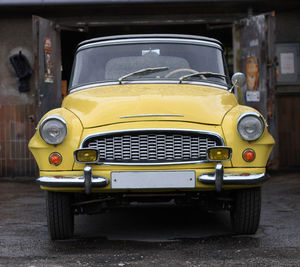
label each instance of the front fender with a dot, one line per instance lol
(262, 147)
(41, 150)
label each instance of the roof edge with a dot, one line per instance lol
(132, 36)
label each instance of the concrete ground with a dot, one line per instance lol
(150, 236)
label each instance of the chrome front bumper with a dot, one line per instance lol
(218, 178)
(87, 181)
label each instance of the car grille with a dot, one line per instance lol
(152, 147)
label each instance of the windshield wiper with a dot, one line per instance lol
(142, 72)
(203, 74)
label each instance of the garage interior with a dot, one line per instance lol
(70, 38)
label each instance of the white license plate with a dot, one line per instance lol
(153, 179)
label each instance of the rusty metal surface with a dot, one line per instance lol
(250, 38)
(254, 39)
(50, 95)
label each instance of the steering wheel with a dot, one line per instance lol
(179, 70)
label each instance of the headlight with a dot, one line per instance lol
(250, 126)
(53, 130)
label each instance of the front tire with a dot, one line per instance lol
(60, 215)
(245, 213)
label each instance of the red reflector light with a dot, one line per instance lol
(249, 155)
(55, 158)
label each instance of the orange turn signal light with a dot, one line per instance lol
(249, 155)
(55, 158)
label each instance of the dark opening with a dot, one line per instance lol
(70, 39)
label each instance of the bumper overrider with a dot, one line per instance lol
(217, 178)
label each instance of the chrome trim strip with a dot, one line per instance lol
(149, 40)
(48, 181)
(247, 113)
(56, 117)
(152, 164)
(99, 84)
(151, 115)
(151, 129)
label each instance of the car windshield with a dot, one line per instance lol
(128, 61)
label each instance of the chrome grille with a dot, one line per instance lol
(152, 147)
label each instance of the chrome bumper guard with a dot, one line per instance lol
(218, 178)
(87, 181)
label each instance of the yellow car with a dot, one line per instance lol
(151, 118)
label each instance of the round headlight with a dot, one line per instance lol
(53, 130)
(250, 126)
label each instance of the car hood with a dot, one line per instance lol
(105, 105)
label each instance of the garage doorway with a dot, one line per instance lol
(64, 38)
(70, 38)
(55, 46)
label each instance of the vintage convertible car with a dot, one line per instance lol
(151, 118)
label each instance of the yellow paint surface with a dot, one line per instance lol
(102, 109)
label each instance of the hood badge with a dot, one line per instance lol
(152, 115)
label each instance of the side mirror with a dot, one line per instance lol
(238, 79)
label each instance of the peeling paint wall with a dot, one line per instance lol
(17, 110)
(15, 36)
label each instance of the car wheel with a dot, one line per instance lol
(60, 215)
(245, 213)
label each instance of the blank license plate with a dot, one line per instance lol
(153, 179)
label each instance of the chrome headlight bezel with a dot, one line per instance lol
(260, 125)
(62, 128)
